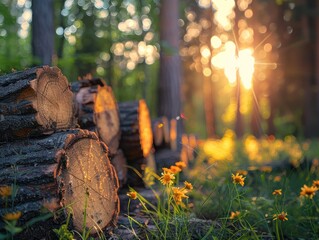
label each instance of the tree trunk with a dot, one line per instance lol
(97, 111)
(169, 88)
(66, 169)
(136, 130)
(42, 31)
(33, 102)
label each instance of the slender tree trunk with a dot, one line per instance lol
(42, 31)
(169, 88)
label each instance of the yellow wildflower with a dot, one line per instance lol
(179, 194)
(12, 216)
(5, 191)
(315, 183)
(132, 194)
(188, 185)
(167, 178)
(277, 192)
(308, 191)
(181, 164)
(234, 215)
(280, 216)
(175, 169)
(238, 179)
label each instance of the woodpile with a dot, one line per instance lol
(46, 160)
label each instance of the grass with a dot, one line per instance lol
(248, 189)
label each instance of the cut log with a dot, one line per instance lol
(120, 165)
(66, 169)
(136, 130)
(97, 111)
(33, 102)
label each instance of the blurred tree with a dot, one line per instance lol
(169, 86)
(42, 31)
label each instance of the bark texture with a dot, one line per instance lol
(136, 130)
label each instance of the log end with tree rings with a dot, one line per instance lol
(90, 184)
(68, 169)
(34, 102)
(54, 99)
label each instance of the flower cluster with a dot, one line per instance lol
(168, 178)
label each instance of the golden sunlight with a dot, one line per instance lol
(228, 61)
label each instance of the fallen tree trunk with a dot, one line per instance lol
(97, 111)
(136, 130)
(34, 102)
(67, 169)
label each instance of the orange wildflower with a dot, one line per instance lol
(181, 164)
(242, 172)
(277, 192)
(238, 179)
(315, 183)
(266, 169)
(132, 194)
(277, 178)
(12, 216)
(167, 170)
(5, 191)
(188, 185)
(234, 215)
(175, 169)
(179, 194)
(167, 178)
(308, 192)
(280, 216)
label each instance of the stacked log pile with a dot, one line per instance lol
(46, 160)
(124, 127)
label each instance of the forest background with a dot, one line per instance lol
(133, 43)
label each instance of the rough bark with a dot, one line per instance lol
(97, 111)
(34, 102)
(66, 169)
(136, 130)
